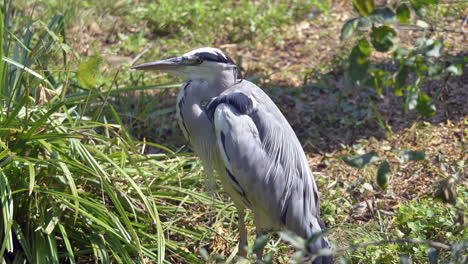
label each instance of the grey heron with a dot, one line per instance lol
(242, 137)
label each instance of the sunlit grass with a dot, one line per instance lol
(75, 187)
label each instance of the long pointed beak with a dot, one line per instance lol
(160, 65)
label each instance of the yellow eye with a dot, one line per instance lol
(193, 61)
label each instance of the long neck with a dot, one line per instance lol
(215, 83)
(226, 78)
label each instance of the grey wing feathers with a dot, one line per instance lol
(263, 154)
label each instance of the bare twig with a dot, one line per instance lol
(416, 28)
(142, 53)
(396, 241)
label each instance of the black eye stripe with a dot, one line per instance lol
(216, 57)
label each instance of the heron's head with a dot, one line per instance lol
(206, 64)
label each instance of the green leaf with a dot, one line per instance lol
(364, 47)
(364, 7)
(361, 161)
(379, 79)
(400, 52)
(383, 174)
(425, 105)
(455, 69)
(422, 24)
(400, 80)
(204, 253)
(411, 99)
(435, 49)
(383, 38)
(411, 155)
(358, 60)
(364, 23)
(383, 15)
(348, 28)
(419, 6)
(260, 243)
(403, 14)
(87, 72)
(293, 239)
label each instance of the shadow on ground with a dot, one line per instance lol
(334, 111)
(325, 114)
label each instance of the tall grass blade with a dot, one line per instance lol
(73, 98)
(68, 245)
(72, 185)
(13, 114)
(2, 74)
(25, 244)
(28, 70)
(52, 242)
(32, 176)
(37, 124)
(7, 213)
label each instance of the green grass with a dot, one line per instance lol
(73, 186)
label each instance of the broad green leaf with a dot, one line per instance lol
(260, 243)
(429, 47)
(293, 239)
(383, 15)
(383, 38)
(434, 70)
(411, 155)
(364, 47)
(364, 7)
(383, 174)
(361, 161)
(87, 72)
(455, 69)
(411, 99)
(379, 78)
(364, 23)
(422, 23)
(204, 253)
(435, 49)
(400, 52)
(419, 6)
(348, 28)
(400, 80)
(358, 61)
(425, 105)
(403, 13)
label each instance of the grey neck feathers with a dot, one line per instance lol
(220, 83)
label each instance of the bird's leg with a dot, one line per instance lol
(242, 234)
(260, 250)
